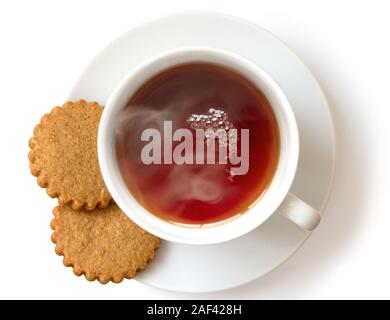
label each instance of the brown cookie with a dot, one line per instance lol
(103, 244)
(64, 155)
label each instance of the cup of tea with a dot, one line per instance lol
(198, 145)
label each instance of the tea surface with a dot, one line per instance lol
(193, 96)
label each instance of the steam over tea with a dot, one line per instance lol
(197, 144)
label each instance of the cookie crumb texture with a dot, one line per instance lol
(104, 244)
(64, 159)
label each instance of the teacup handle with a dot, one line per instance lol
(300, 212)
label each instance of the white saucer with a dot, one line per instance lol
(227, 265)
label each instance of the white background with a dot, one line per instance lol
(44, 45)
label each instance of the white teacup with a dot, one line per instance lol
(275, 199)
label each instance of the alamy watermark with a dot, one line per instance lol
(209, 129)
